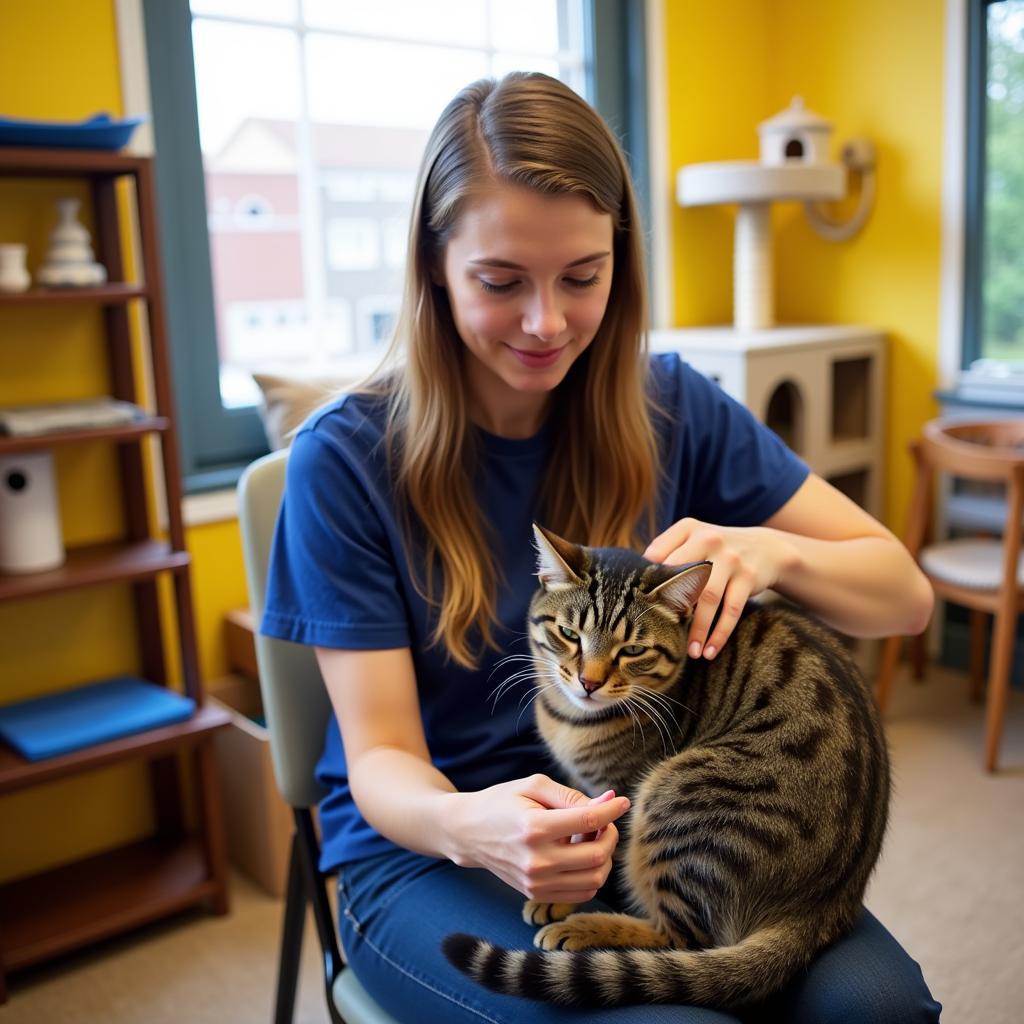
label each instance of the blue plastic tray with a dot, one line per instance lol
(98, 132)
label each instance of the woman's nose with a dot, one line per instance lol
(544, 319)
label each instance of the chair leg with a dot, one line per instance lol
(918, 656)
(291, 938)
(978, 643)
(998, 684)
(308, 848)
(887, 662)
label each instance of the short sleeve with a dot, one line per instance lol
(332, 580)
(741, 471)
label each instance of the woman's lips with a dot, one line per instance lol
(537, 360)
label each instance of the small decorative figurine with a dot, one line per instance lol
(71, 260)
(14, 277)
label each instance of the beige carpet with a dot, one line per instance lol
(950, 887)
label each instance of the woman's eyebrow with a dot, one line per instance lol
(487, 261)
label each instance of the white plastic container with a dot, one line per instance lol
(30, 534)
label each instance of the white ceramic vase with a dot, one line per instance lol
(70, 259)
(30, 529)
(14, 275)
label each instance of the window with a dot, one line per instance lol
(293, 135)
(994, 268)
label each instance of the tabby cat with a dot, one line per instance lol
(759, 785)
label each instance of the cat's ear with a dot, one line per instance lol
(559, 563)
(680, 591)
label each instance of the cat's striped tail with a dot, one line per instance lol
(724, 977)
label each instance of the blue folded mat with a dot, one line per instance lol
(61, 722)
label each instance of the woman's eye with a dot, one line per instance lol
(588, 282)
(567, 632)
(632, 650)
(489, 286)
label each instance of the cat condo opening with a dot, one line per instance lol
(851, 399)
(785, 415)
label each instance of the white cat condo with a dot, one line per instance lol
(820, 388)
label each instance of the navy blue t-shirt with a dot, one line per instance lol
(339, 576)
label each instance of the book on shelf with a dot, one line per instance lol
(30, 420)
(83, 716)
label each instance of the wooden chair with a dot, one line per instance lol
(985, 575)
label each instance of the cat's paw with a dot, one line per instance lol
(572, 934)
(601, 931)
(545, 913)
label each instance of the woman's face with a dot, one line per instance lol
(528, 278)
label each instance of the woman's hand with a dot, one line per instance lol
(745, 561)
(523, 832)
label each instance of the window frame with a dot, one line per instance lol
(974, 179)
(216, 442)
(975, 172)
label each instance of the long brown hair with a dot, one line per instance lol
(532, 131)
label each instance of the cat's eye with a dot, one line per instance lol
(632, 650)
(567, 632)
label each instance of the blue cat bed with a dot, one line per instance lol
(106, 710)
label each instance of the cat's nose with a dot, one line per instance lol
(590, 685)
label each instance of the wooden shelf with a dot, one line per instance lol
(121, 432)
(67, 908)
(39, 161)
(106, 295)
(17, 773)
(60, 910)
(94, 564)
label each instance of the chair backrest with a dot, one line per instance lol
(295, 699)
(975, 449)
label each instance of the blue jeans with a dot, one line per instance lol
(395, 908)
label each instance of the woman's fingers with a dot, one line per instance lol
(561, 824)
(736, 595)
(666, 544)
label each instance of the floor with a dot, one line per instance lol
(950, 886)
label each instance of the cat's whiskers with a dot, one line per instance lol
(633, 706)
(635, 720)
(663, 697)
(509, 658)
(534, 672)
(536, 692)
(651, 710)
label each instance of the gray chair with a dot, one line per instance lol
(297, 707)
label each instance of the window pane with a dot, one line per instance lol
(1003, 273)
(439, 21)
(233, 88)
(284, 11)
(364, 81)
(309, 190)
(528, 26)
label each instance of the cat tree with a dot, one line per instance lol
(820, 388)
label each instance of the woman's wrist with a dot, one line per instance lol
(447, 814)
(789, 556)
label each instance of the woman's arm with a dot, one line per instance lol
(519, 830)
(821, 550)
(848, 567)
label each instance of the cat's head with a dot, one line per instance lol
(607, 624)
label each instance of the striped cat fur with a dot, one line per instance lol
(759, 785)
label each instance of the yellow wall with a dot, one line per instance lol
(873, 67)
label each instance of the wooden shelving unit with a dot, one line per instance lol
(60, 910)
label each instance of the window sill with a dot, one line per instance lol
(1007, 399)
(210, 507)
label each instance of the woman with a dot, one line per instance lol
(404, 555)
